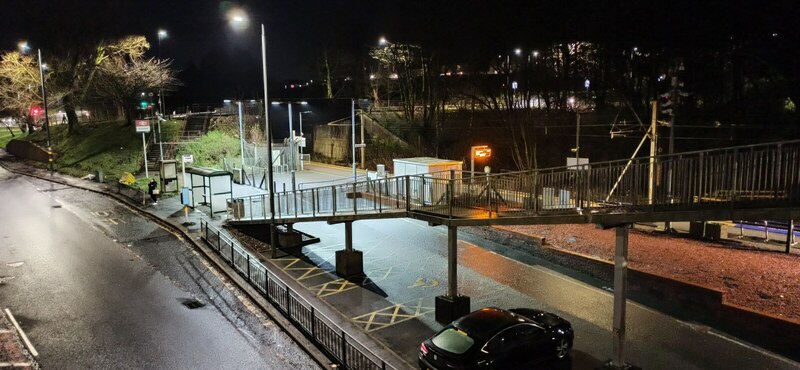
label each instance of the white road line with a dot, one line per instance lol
(14, 364)
(752, 347)
(22, 334)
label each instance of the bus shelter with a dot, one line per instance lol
(210, 187)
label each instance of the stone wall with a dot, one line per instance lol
(333, 141)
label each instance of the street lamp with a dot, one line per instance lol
(162, 34)
(42, 67)
(383, 41)
(23, 47)
(238, 20)
(300, 114)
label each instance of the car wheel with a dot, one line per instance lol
(562, 348)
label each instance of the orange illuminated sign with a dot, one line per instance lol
(482, 151)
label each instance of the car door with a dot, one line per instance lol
(506, 350)
(535, 343)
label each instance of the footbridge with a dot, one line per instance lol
(744, 182)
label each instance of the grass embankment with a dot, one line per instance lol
(115, 148)
(210, 149)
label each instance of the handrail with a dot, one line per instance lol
(751, 173)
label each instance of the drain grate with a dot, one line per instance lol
(191, 303)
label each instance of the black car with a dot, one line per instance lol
(493, 338)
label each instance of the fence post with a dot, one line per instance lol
(219, 241)
(248, 267)
(408, 193)
(451, 190)
(333, 195)
(288, 303)
(313, 324)
(355, 200)
(380, 199)
(344, 350)
(313, 203)
(232, 256)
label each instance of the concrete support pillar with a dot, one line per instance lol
(451, 306)
(349, 262)
(620, 297)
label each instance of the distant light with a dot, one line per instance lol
(635, 48)
(304, 103)
(252, 100)
(774, 34)
(162, 34)
(276, 103)
(23, 46)
(518, 51)
(535, 54)
(571, 101)
(586, 84)
(291, 86)
(142, 94)
(226, 101)
(514, 85)
(45, 66)
(371, 77)
(394, 76)
(382, 41)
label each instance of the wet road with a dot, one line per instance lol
(95, 285)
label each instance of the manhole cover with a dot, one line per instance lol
(192, 303)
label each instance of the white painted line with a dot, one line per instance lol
(14, 364)
(22, 334)
(752, 347)
(3, 331)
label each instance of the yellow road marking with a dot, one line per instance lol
(392, 315)
(425, 283)
(332, 287)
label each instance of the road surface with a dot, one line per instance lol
(95, 285)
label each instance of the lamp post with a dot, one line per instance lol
(162, 34)
(238, 20)
(46, 118)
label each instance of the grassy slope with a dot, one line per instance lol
(116, 148)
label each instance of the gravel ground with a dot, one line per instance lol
(768, 282)
(11, 349)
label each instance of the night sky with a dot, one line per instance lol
(458, 31)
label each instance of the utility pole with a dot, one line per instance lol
(353, 126)
(673, 100)
(653, 151)
(363, 145)
(577, 141)
(47, 119)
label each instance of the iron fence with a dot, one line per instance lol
(322, 330)
(737, 177)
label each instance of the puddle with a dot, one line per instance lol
(191, 303)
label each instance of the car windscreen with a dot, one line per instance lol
(453, 341)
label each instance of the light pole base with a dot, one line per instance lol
(450, 308)
(349, 263)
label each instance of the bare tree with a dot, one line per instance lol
(124, 73)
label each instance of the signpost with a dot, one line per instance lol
(185, 193)
(143, 126)
(480, 152)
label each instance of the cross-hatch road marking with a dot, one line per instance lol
(392, 315)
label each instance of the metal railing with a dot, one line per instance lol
(319, 328)
(737, 177)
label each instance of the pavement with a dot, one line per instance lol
(405, 264)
